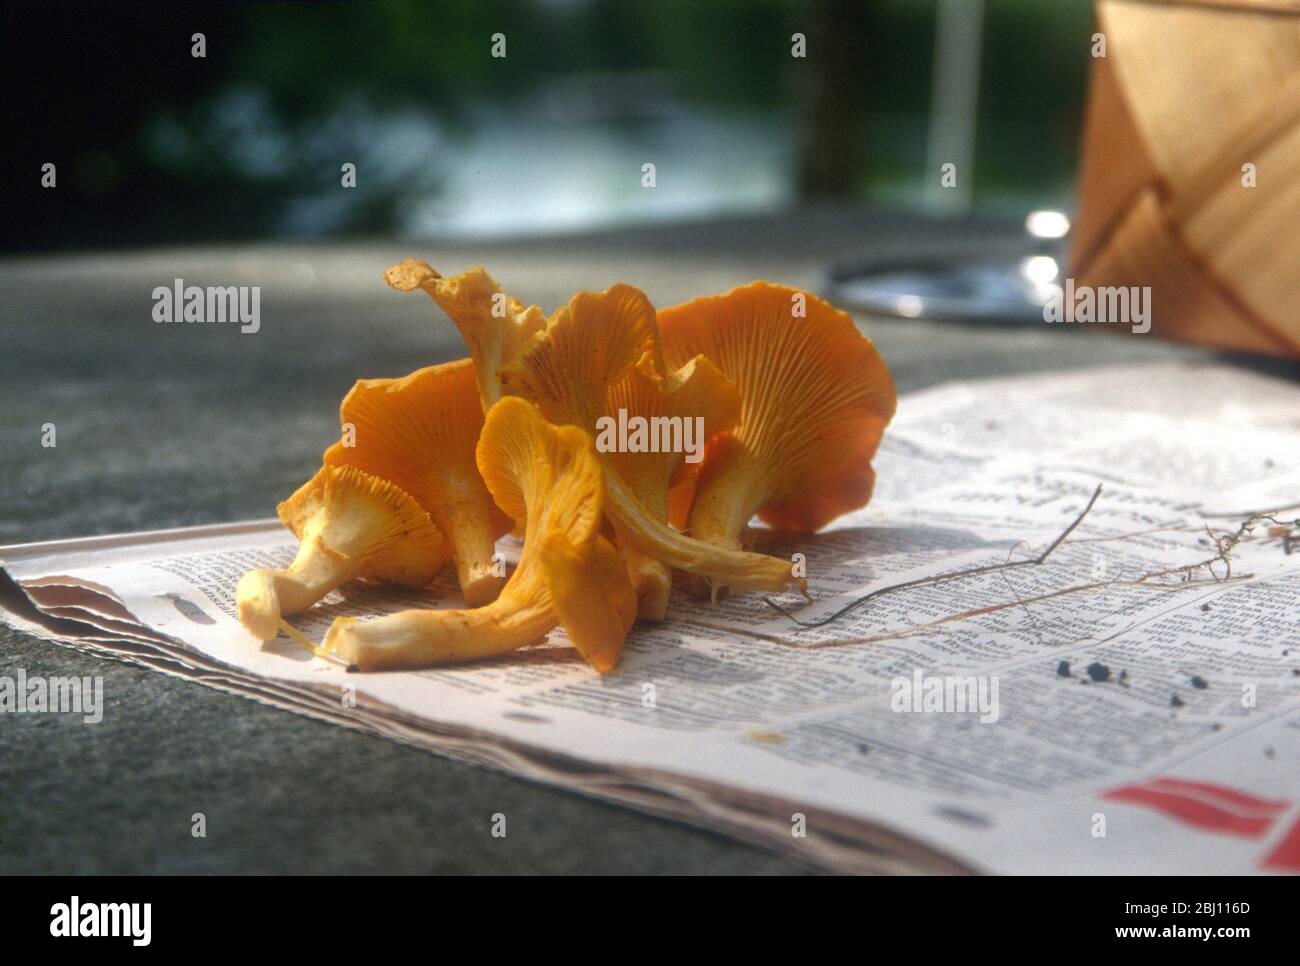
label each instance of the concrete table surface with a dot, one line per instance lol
(169, 425)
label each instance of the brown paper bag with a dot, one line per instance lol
(1193, 102)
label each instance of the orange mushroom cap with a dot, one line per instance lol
(495, 326)
(591, 596)
(566, 369)
(420, 432)
(815, 399)
(549, 479)
(349, 525)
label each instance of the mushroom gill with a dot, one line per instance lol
(815, 398)
(350, 525)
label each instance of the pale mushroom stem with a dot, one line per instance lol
(722, 508)
(724, 504)
(420, 638)
(722, 566)
(468, 527)
(267, 595)
(651, 579)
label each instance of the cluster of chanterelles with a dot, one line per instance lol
(438, 464)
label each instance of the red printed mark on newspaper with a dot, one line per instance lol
(1217, 808)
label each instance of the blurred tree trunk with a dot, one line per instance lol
(834, 96)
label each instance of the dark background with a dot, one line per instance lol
(154, 146)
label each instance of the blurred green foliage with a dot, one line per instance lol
(154, 145)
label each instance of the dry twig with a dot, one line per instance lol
(955, 575)
(1224, 544)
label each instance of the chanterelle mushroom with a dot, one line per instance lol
(687, 407)
(420, 432)
(549, 480)
(494, 326)
(349, 524)
(815, 398)
(567, 369)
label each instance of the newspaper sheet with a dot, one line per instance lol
(1127, 700)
